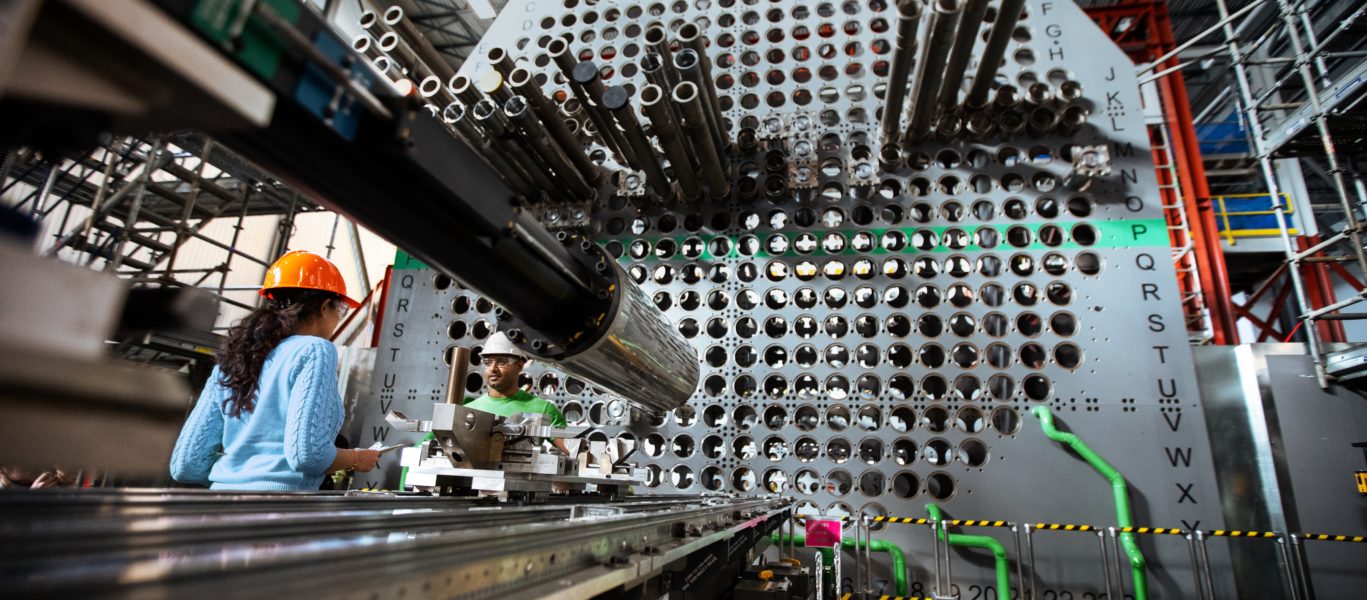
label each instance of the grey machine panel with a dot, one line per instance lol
(852, 408)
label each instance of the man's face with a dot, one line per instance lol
(501, 371)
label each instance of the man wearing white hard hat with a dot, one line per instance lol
(503, 363)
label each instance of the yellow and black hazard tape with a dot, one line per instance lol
(1153, 530)
(906, 520)
(848, 596)
(1063, 527)
(1316, 537)
(1324, 537)
(1243, 534)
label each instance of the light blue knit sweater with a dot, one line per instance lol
(285, 443)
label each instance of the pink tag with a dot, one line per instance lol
(822, 533)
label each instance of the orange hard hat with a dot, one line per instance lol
(305, 270)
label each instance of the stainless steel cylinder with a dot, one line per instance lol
(435, 61)
(639, 351)
(930, 68)
(653, 67)
(690, 36)
(587, 81)
(962, 51)
(686, 62)
(903, 56)
(618, 102)
(519, 113)
(1041, 121)
(657, 107)
(1008, 14)
(695, 126)
(432, 89)
(522, 82)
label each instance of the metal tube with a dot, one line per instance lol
(464, 90)
(560, 52)
(394, 17)
(667, 130)
(1119, 563)
(964, 40)
(890, 156)
(979, 126)
(455, 115)
(501, 60)
(393, 45)
(686, 62)
(903, 55)
(991, 58)
(690, 36)
(1205, 563)
(521, 81)
(1105, 563)
(1030, 554)
(1285, 557)
(747, 141)
(930, 68)
(695, 126)
(618, 102)
(516, 109)
(1195, 567)
(493, 123)
(949, 127)
(657, 43)
(455, 380)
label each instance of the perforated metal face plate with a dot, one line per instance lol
(879, 342)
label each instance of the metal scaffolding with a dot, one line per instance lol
(1296, 75)
(131, 206)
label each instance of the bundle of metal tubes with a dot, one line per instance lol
(933, 105)
(690, 156)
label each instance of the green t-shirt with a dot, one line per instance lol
(521, 402)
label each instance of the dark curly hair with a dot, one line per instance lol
(244, 350)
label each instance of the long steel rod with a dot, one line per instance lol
(1008, 14)
(903, 57)
(961, 52)
(930, 68)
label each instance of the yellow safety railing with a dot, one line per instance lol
(1229, 232)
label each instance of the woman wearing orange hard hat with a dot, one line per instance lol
(270, 412)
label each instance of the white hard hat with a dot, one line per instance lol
(498, 343)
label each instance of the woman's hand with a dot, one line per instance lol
(364, 460)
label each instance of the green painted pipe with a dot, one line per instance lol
(899, 560)
(1118, 489)
(978, 541)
